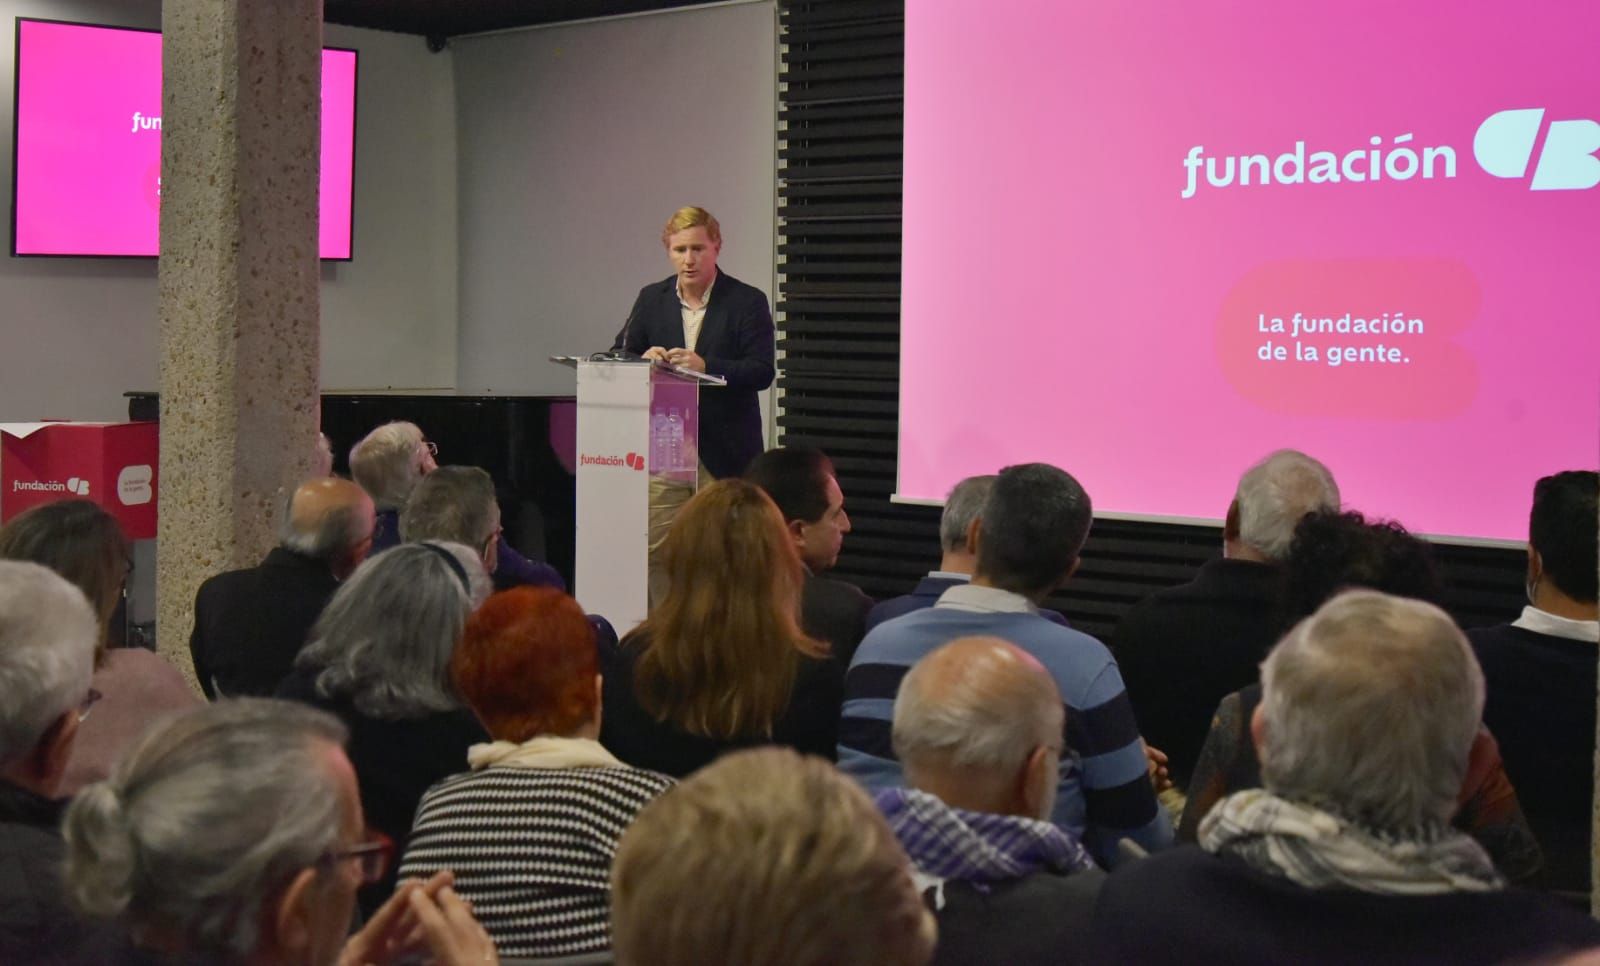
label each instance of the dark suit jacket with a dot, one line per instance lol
(736, 343)
(1540, 701)
(836, 612)
(1183, 649)
(249, 624)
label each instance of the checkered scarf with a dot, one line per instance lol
(1320, 850)
(949, 843)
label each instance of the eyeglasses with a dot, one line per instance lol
(373, 858)
(431, 447)
(88, 705)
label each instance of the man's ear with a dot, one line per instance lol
(291, 919)
(48, 760)
(797, 532)
(1258, 729)
(1036, 796)
(1230, 523)
(1535, 565)
(974, 534)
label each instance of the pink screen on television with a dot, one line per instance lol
(88, 142)
(1151, 243)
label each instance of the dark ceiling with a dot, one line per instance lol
(450, 18)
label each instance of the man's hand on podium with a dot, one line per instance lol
(655, 354)
(687, 359)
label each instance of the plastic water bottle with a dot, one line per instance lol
(675, 441)
(660, 442)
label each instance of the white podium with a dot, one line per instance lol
(638, 427)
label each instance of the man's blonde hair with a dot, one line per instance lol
(766, 857)
(692, 217)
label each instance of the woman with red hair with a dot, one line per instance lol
(531, 830)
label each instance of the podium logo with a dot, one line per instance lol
(133, 485)
(632, 461)
(1504, 148)
(80, 487)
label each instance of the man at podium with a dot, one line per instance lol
(711, 322)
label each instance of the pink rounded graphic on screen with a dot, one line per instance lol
(1368, 338)
(88, 142)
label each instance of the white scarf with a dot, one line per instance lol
(1321, 850)
(543, 751)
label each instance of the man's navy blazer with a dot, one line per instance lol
(736, 343)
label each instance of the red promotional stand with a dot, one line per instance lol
(112, 464)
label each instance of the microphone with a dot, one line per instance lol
(619, 348)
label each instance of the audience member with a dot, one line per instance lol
(234, 834)
(48, 639)
(1541, 678)
(978, 727)
(1368, 715)
(961, 509)
(531, 830)
(766, 857)
(720, 662)
(1027, 542)
(324, 461)
(85, 544)
(457, 503)
(1184, 648)
(389, 463)
(379, 658)
(249, 624)
(1331, 552)
(801, 482)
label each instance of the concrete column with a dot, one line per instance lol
(241, 111)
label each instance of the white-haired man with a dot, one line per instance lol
(1184, 648)
(1370, 707)
(978, 727)
(47, 644)
(249, 624)
(391, 462)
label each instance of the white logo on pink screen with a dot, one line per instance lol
(1503, 147)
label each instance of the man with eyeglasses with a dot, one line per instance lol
(275, 850)
(457, 503)
(391, 463)
(47, 644)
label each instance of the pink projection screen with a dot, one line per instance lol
(1152, 242)
(88, 142)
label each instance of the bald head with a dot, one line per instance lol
(978, 723)
(329, 519)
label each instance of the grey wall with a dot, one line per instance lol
(76, 333)
(576, 143)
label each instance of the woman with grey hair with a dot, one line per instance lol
(379, 659)
(234, 834)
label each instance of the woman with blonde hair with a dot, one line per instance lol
(721, 662)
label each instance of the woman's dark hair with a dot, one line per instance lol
(79, 541)
(1332, 551)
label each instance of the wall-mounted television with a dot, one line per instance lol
(87, 143)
